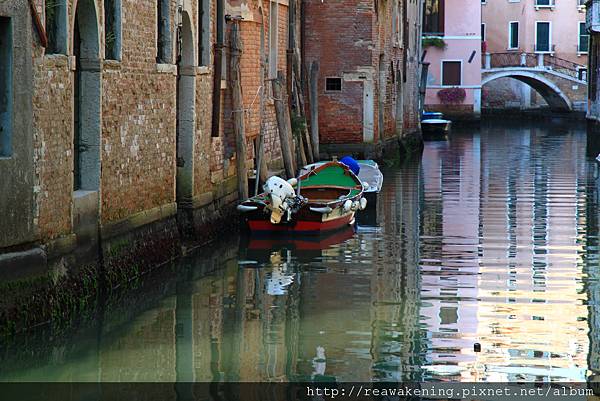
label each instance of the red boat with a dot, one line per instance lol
(324, 199)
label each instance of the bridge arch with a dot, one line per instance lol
(552, 94)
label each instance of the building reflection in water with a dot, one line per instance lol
(506, 218)
(491, 238)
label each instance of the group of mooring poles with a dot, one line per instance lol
(298, 144)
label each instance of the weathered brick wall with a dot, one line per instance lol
(389, 48)
(339, 36)
(138, 121)
(138, 125)
(53, 143)
(139, 118)
(358, 40)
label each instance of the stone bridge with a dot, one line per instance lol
(562, 83)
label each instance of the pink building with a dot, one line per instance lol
(536, 26)
(452, 41)
(555, 28)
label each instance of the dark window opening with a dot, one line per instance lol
(513, 35)
(433, 16)
(6, 87)
(542, 42)
(451, 73)
(112, 39)
(56, 26)
(203, 32)
(78, 144)
(163, 38)
(333, 84)
(584, 38)
(593, 68)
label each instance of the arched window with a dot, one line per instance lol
(163, 37)
(56, 26)
(203, 32)
(112, 29)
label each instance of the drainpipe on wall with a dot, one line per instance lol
(38, 25)
(290, 51)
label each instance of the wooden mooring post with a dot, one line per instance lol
(238, 110)
(284, 124)
(314, 108)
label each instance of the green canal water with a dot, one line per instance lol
(490, 238)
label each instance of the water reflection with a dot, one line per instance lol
(490, 238)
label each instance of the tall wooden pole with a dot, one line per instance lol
(283, 124)
(314, 108)
(238, 110)
(261, 160)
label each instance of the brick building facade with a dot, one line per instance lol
(368, 54)
(111, 149)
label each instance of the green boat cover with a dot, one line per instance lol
(332, 175)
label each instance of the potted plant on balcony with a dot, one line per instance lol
(452, 95)
(434, 41)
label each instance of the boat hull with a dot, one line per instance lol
(301, 225)
(435, 129)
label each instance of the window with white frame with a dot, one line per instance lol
(543, 37)
(513, 35)
(451, 73)
(544, 3)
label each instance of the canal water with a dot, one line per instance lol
(490, 238)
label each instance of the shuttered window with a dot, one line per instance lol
(584, 39)
(513, 35)
(451, 73)
(542, 40)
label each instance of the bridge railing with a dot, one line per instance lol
(512, 59)
(563, 66)
(531, 60)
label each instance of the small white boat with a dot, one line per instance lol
(436, 127)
